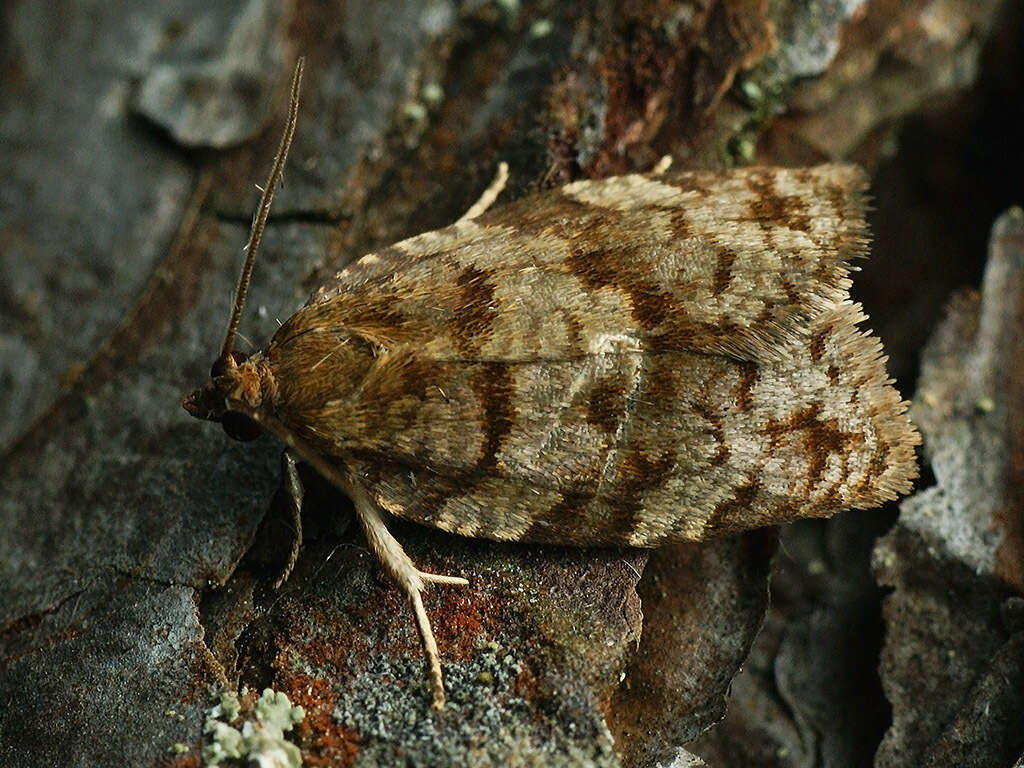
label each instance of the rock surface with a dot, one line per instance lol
(953, 662)
(139, 546)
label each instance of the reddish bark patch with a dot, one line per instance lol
(324, 742)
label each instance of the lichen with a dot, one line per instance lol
(229, 707)
(260, 739)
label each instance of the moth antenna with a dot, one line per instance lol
(259, 221)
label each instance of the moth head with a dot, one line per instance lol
(236, 385)
(233, 380)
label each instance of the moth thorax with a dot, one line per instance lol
(252, 383)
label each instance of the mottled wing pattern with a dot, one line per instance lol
(705, 262)
(632, 360)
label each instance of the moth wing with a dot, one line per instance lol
(627, 361)
(732, 263)
(633, 448)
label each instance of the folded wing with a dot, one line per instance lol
(627, 361)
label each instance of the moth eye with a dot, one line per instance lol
(240, 427)
(219, 367)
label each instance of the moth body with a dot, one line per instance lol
(573, 369)
(633, 360)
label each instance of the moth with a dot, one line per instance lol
(632, 361)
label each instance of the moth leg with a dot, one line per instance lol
(489, 196)
(408, 578)
(292, 490)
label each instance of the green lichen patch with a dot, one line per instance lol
(259, 737)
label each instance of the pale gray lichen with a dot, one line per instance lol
(226, 744)
(541, 28)
(261, 739)
(273, 708)
(228, 708)
(415, 112)
(432, 94)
